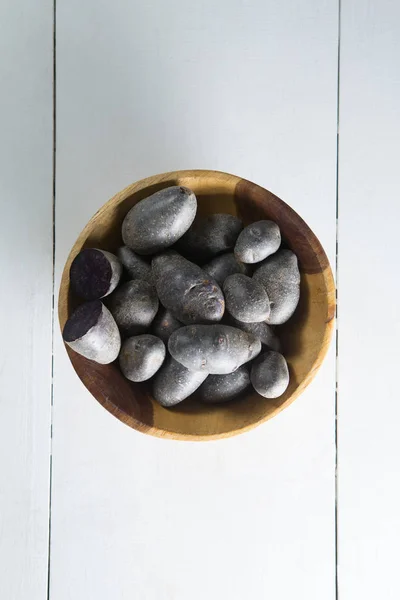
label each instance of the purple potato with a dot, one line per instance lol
(158, 221)
(215, 349)
(220, 267)
(135, 265)
(221, 388)
(186, 290)
(174, 383)
(258, 241)
(246, 299)
(141, 356)
(264, 332)
(92, 332)
(94, 273)
(209, 236)
(164, 324)
(134, 306)
(270, 375)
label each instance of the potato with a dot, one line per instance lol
(270, 375)
(215, 349)
(135, 265)
(94, 273)
(173, 383)
(158, 221)
(246, 299)
(221, 388)
(134, 306)
(141, 356)
(220, 267)
(92, 332)
(186, 290)
(280, 276)
(257, 241)
(164, 324)
(209, 236)
(264, 332)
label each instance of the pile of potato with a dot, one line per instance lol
(195, 301)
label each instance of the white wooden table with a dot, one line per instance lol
(307, 505)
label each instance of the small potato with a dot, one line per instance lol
(246, 299)
(221, 388)
(215, 349)
(280, 276)
(94, 273)
(264, 332)
(92, 332)
(220, 267)
(134, 306)
(135, 265)
(173, 383)
(158, 221)
(141, 356)
(270, 375)
(186, 290)
(209, 236)
(164, 324)
(257, 241)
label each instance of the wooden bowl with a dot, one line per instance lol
(305, 337)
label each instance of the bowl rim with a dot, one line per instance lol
(326, 273)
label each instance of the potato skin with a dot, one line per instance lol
(220, 267)
(246, 299)
(92, 332)
(173, 383)
(257, 241)
(134, 306)
(186, 290)
(158, 221)
(214, 349)
(270, 375)
(141, 356)
(135, 265)
(280, 276)
(164, 324)
(264, 332)
(209, 236)
(222, 388)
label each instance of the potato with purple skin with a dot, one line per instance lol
(257, 241)
(173, 383)
(220, 267)
(141, 356)
(134, 306)
(186, 290)
(280, 276)
(222, 388)
(135, 265)
(164, 324)
(270, 375)
(246, 299)
(214, 349)
(94, 273)
(209, 236)
(158, 221)
(92, 332)
(264, 332)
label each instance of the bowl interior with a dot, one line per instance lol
(305, 337)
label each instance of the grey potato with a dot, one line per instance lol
(215, 349)
(164, 324)
(270, 374)
(264, 332)
(135, 265)
(280, 276)
(258, 241)
(141, 356)
(158, 221)
(209, 236)
(186, 290)
(94, 273)
(134, 306)
(173, 383)
(221, 388)
(224, 265)
(246, 299)
(92, 332)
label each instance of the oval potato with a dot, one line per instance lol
(141, 356)
(270, 374)
(222, 388)
(134, 306)
(173, 383)
(94, 273)
(246, 299)
(257, 241)
(209, 236)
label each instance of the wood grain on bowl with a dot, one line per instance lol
(305, 337)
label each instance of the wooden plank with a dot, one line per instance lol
(369, 445)
(26, 278)
(248, 88)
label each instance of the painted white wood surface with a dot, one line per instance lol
(369, 325)
(26, 282)
(143, 88)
